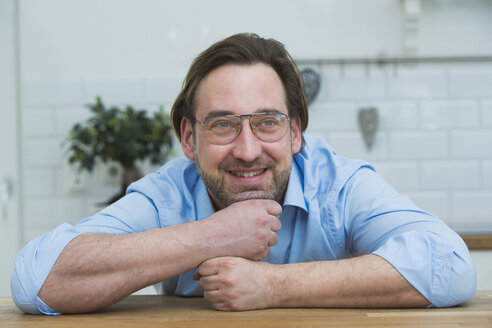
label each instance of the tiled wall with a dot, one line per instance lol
(49, 110)
(434, 141)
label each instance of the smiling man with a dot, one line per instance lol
(257, 215)
(240, 155)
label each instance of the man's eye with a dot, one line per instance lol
(221, 125)
(268, 123)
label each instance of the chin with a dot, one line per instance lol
(257, 194)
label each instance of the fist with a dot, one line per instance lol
(235, 284)
(247, 229)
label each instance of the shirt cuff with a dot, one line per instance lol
(430, 264)
(32, 266)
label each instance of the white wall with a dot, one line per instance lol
(434, 137)
(152, 38)
(436, 120)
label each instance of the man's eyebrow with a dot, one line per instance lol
(215, 113)
(218, 113)
(268, 110)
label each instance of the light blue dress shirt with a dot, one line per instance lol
(334, 208)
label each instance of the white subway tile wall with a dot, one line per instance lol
(486, 118)
(433, 143)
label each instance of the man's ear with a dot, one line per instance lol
(187, 138)
(296, 135)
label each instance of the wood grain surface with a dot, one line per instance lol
(171, 311)
(478, 241)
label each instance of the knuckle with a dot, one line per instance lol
(262, 235)
(260, 250)
(231, 296)
(260, 220)
(229, 282)
(225, 264)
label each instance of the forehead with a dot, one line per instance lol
(240, 89)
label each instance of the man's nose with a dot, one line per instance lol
(246, 146)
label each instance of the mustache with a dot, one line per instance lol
(236, 163)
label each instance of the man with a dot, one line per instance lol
(257, 215)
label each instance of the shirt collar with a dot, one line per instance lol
(294, 195)
(203, 204)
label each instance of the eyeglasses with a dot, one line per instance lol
(224, 129)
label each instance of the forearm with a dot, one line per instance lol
(96, 270)
(366, 281)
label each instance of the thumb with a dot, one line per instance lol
(196, 276)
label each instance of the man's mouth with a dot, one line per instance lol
(247, 174)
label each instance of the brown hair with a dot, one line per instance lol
(243, 49)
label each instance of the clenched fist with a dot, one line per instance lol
(247, 229)
(236, 284)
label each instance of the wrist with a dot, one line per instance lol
(275, 287)
(216, 240)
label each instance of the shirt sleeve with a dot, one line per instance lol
(131, 214)
(430, 255)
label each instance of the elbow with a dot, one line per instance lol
(463, 282)
(25, 283)
(23, 297)
(24, 293)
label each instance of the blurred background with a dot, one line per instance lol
(404, 84)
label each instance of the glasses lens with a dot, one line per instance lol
(270, 127)
(222, 130)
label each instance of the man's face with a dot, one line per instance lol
(248, 167)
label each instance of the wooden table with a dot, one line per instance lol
(170, 311)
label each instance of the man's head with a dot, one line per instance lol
(242, 75)
(242, 49)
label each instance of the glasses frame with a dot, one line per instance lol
(243, 116)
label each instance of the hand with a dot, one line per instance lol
(246, 229)
(235, 284)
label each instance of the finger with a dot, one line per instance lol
(276, 224)
(274, 208)
(263, 254)
(224, 306)
(220, 306)
(208, 268)
(213, 296)
(209, 283)
(273, 240)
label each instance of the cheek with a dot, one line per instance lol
(210, 156)
(281, 155)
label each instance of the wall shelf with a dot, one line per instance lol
(477, 241)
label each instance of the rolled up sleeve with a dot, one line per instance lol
(33, 264)
(439, 268)
(427, 253)
(133, 213)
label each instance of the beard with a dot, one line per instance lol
(218, 190)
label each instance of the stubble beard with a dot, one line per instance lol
(217, 188)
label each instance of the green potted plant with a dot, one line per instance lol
(120, 136)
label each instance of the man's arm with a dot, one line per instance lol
(408, 253)
(366, 281)
(96, 270)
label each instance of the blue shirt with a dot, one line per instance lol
(334, 208)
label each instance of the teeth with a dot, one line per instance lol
(247, 174)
